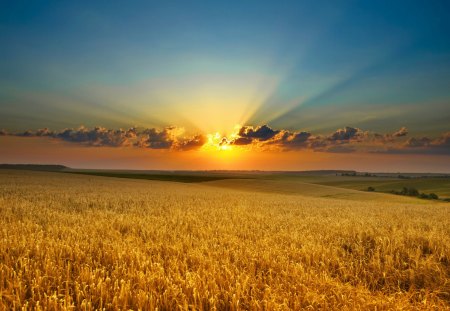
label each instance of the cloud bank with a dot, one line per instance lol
(152, 138)
(344, 140)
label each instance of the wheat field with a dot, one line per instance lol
(84, 242)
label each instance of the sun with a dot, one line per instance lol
(222, 143)
(219, 150)
(217, 141)
(225, 147)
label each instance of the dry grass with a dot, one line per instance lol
(84, 242)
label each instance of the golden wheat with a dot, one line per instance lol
(81, 242)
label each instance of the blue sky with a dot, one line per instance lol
(294, 65)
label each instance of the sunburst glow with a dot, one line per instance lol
(221, 142)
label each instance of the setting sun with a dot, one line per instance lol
(225, 147)
(221, 142)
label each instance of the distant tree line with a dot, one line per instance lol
(400, 176)
(33, 167)
(413, 192)
(356, 174)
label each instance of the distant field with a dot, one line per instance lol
(303, 184)
(440, 186)
(294, 183)
(309, 189)
(185, 178)
(71, 241)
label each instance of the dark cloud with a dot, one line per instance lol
(224, 141)
(289, 140)
(260, 133)
(346, 134)
(154, 139)
(266, 135)
(241, 141)
(346, 140)
(98, 136)
(299, 139)
(318, 144)
(193, 143)
(131, 133)
(168, 138)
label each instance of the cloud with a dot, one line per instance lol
(391, 137)
(193, 143)
(401, 132)
(425, 145)
(260, 132)
(346, 134)
(248, 134)
(241, 141)
(293, 139)
(264, 136)
(169, 138)
(166, 138)
(44, 132)
(26, 134)
(98, 136)
(418, 142)
(154, 139)
(443, 141)
(345, 140)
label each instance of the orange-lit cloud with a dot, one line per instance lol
(262, 138)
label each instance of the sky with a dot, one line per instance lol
(268, 85)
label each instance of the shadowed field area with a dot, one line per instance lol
(91, 242)
(184, 178)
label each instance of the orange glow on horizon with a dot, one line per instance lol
(47, 151)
